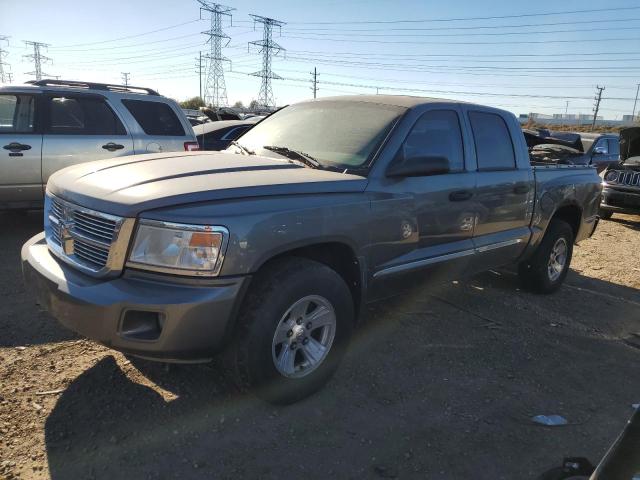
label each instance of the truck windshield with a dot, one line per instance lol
(335, 134)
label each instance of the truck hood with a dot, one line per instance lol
(129, 185)
(629, 143)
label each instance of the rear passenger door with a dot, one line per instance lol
(160, 127)
(80, 128)
(504, 191)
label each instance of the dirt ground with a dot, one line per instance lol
(439, 384)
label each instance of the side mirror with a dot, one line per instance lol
(599, 151)
(420, 166)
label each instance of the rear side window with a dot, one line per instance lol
(155, 118)
(436, 134)
(494, 147)
(17, 113)
(614, 147)
(234, 133)
(82, 116)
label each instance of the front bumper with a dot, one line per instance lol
(196, 318)
(622, 201)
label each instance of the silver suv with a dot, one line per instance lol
(47, 125)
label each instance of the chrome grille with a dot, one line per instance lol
(628, 178)
(94, 242)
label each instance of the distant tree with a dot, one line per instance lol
(254, 105)
(238, 104)
(193, 103)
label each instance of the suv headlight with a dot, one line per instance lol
(179, 248)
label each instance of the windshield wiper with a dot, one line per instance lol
(302, 157)
(243, 148)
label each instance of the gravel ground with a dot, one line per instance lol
(439, 384)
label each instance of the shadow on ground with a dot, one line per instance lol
(439, 383)
(21, 321)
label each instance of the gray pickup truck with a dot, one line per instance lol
(268, 251)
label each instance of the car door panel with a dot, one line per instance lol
(20, 151)
(423, 223)
(504, 192)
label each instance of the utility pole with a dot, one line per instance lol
(633, 114)
(199, 72)
(125, 78)
(566, 108)
(269, 49)
(5, 76)
(315, 82)
(596, 107)
(215, 88)
(38, 58)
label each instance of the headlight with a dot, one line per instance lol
(178, 248)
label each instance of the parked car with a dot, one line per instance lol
(219, 135)
(269, 254)
(621, 192)
(597, 149)
(51, 124)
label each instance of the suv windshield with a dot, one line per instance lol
(335, 134)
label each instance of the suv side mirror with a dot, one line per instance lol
(419, 166)
(599, 151)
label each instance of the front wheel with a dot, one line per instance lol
(545, 271)
(293, 330)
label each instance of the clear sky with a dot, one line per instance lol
(536, 59)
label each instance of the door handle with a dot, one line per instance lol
(112, 147)
(17, 147)
(460, 196)
(521, 189)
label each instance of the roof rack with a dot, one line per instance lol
(91, 85)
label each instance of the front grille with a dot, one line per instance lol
(629, 178)
(84, 238)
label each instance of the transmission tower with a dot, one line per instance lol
(125, 78)
(314, 81)
(269, 49)
(596, 106)
(5, 76)
(37, 58)
(215, 88)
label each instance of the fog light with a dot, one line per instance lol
(142, 325)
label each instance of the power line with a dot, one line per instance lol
(596, 107)
(269, 49)
(128, 36)
(519, 42)
(460, 19)
(474, 27)
(38, 58)
(215, 87)
(5, 76)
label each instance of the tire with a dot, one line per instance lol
(281, 369)
(605, 214)
(541, 273)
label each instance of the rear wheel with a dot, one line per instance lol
(545, 271)
(293, 330)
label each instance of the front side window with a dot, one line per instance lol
(494, 147)
(82, 116)
(17, 113)
(340, 134)
(155, 118)
(436, 134)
